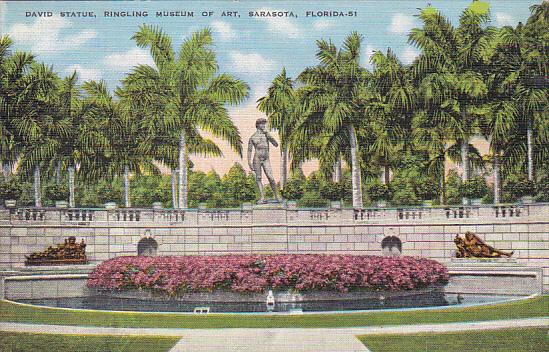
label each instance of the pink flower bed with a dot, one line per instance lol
(258, 273)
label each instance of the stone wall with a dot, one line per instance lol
(427, 232)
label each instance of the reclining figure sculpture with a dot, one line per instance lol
(473, 247)
(69, 252)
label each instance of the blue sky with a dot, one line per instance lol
(253, 49)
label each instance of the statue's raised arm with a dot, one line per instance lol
(271, 139)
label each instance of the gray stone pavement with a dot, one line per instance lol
(275, 339)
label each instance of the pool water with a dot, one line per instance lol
(431, 299)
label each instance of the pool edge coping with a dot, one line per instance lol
(342, 312)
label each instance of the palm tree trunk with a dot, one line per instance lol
(6, 170)
(529, 139)
(336, 176)
(182, 171)
(497, 180)
(355, 169)
(70, 169)
(386, 174)
(127, 203)
(37, 186)
(465, 160)
(58, 173)
(442, 177)
(283, 166)
(442, 183)
(465, 164)
(174, 189)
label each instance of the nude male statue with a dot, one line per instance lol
(260, 141)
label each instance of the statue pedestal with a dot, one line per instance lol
(269, 213)
(496, 276)
(484, 261)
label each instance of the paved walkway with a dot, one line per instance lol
(271, 340)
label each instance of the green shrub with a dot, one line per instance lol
(519, 186)
(107, 191)
(294, 189)
(453, 186)
(312, 199)
(405, 196)
(332, 190)
(147, 189)
(56, 192)
(377, 191)
(542, 189)
(238, 186)
(10, 189)
(426, 189)
(475, 187)
(488, 198)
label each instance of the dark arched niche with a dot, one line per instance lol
(147, 247)
(391, 246)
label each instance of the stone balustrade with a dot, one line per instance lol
(89, 216)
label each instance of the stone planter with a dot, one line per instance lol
(61, 204)
(10, 203)
(157, 205)
(110, 205)
(476, 201)
(381, 204)
(527, 200)
(291, 204)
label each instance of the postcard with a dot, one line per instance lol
(274, 175)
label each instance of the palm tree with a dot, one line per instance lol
(430, 137)
(196, 93)
(112, 129)
(68, 152)
(280, 105)
(392, 103)
(333, 96)
(522, 61)
(42, 126)
(450, 69)
(14, 102)
(498, 127)
(159, 140)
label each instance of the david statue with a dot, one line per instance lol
(260, 141)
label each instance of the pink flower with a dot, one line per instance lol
(258, 273)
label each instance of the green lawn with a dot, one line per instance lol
(535, 307)
(23, 342)
(508, 340)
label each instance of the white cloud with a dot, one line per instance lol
(129, 59)
(323, 24)
(77, 40)
(401, 24)
(250, 63)
(281, 25)
(259, 90)
(224, 30)
(504, 19)
(367, 54)
(44, 35)
(84, 74)
(408, 55)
